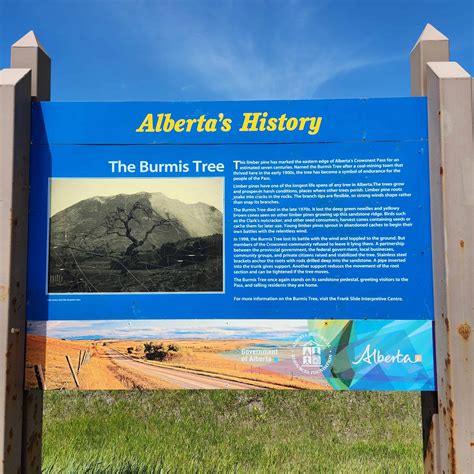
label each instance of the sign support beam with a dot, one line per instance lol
(448, 418)
(15, 106)
(432, 45)
(20, 411)
(449, 94)
(28, 52)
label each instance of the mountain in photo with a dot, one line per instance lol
(87, 224)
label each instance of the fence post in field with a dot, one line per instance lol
(449, 417)
(39, 376)
(27, 52)
(79, 361)
(15, 109)
(71, 368)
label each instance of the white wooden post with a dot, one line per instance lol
(432, 45)
(27, 52)
(20, 413)
(448, 417)
(15, 107)
(449, 92)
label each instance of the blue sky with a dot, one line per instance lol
(231, 50)
(179, 329)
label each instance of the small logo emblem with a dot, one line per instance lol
(311, 354)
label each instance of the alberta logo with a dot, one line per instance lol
(375, 356)
(311, 354)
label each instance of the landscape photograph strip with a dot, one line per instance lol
(150, 235)
(232, 354)
(177, 354)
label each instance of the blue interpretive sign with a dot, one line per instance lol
(293, 234)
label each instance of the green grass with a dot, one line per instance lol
(232, 431)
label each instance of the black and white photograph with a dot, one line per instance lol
(126, 235)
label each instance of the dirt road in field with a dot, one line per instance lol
(178, 377)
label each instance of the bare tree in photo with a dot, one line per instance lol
(120, 223)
